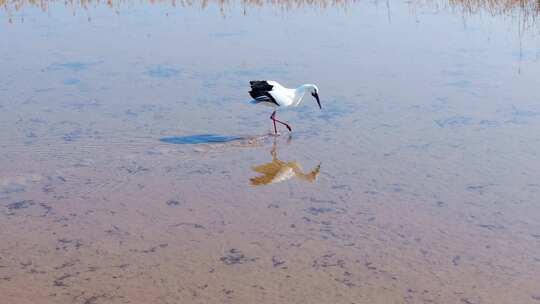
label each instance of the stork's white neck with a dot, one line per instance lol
(300, 92)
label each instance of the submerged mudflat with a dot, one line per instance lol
(133, 170)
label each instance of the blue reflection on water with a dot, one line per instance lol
(162, 72)
(72, 81)
(199, 139)
(75, 66)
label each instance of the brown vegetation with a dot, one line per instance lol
(528, 9)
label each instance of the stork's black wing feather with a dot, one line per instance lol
(260, 91)
(260, 85)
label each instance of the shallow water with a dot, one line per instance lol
(417, 183)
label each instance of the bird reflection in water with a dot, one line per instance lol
(278, 171)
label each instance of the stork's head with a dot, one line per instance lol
(314, 90)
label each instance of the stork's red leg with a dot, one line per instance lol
(285, 124)
(272, 117)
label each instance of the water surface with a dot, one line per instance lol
(417, 183)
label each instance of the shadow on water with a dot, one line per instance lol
(200, 139)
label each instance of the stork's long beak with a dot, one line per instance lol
(317, 97)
